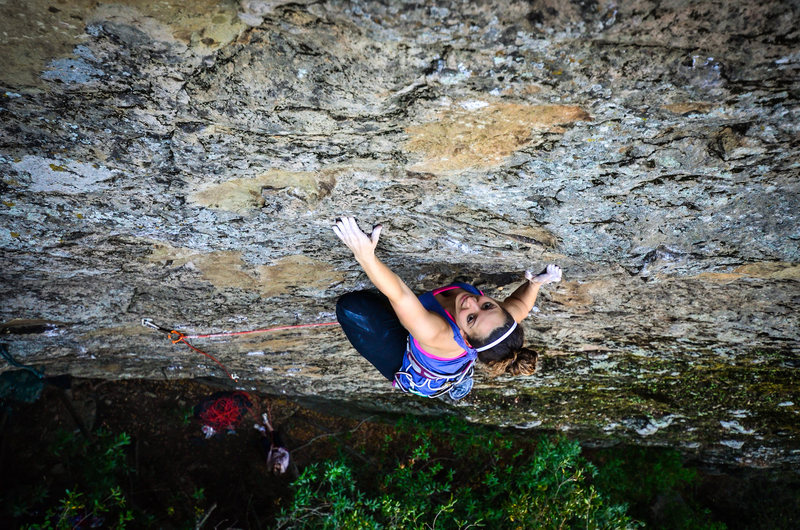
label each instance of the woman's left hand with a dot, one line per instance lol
(362, 245)
(551, 274)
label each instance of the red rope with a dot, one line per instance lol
(228, 408)
(222, 414)
(225, 412)
(182, 338)
(279, 328)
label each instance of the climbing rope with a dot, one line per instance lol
(177, 336)
(279, 328)
(224, 410)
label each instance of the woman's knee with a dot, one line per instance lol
(346, 303)
(347, 300)
(356, 303)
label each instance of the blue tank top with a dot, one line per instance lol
(430, 361)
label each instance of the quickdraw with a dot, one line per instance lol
(177, 336)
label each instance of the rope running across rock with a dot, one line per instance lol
(177, 336)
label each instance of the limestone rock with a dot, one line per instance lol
(185, 161)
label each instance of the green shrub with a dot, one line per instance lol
(95, 498)
(450, 474)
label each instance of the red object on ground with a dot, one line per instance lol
(223, 410)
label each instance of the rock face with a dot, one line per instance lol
(185, 162)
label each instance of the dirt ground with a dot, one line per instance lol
(175, 469)
(177, 476)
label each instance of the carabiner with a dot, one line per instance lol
(148, 323)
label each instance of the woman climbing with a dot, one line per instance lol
(427, 345)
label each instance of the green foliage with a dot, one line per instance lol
(187, 416)
(641, 475)
(76, 510)
(199, 494)
(449, 474)
(95, 468)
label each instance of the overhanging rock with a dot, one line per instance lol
(186, 163)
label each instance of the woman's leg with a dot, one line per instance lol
(373, 329)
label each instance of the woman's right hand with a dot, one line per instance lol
(362, 245)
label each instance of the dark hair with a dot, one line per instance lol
(509, 356)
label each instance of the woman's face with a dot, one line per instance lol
(478, 316)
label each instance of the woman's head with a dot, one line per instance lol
(278, 460)
(478, 316)
(507, 355)
(501, 342)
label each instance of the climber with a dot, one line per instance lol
(278, 457)
(427, 345)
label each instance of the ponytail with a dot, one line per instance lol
(508, 356)
(520, 362)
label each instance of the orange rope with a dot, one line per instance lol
(182, 338)
(177, 336)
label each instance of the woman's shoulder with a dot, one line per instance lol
(456, 285)
(445, 344)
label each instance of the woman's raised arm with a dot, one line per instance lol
(424, 326)
(521, 301)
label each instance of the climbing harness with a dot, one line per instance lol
(429, 383)
(429, 376)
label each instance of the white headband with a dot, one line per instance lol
(501, 339)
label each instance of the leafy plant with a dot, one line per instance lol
(95, 499)
(449, 474)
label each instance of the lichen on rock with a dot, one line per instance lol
(477, 134)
